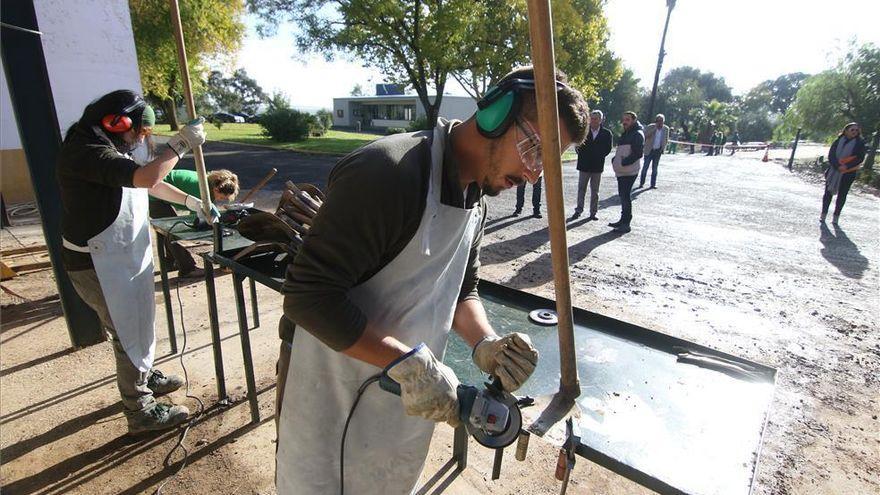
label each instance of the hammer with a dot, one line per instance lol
(259, 185)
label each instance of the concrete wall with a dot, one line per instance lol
(89, 50)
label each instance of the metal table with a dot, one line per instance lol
(176, 229)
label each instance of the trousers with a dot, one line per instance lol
(593, 178)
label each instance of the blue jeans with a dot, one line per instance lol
(653, 159)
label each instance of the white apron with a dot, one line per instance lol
(123, 259)
(413, 298)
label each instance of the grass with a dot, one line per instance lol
(336, 142)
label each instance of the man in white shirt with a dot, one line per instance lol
(656, 137)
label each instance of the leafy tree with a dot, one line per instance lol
(211, 28)
(499, 40)
(848, 92)
(237, 94)
(683, 91)
(324, 120)
(408, 40)
(624, 96)
(762, 107)
(278, 101)
(357, 90)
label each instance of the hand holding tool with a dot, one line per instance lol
(511, 358)
(188, 137)
(427, 386)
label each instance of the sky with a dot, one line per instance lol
(743, 41)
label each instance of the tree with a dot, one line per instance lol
(685, 89)
(850, 92)
(211, 28)
(762, 107)
(499, 40)
(408, 40)
(624, 96)
(357, 90)
(237, 94)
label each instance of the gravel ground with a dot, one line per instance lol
(727, 252)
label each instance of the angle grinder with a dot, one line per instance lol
(490, 415)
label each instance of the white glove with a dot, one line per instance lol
(193, 203)
(428, 387)
(188, 137)
(511, 358)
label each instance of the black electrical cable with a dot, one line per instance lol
(360, 392)
(201, 408)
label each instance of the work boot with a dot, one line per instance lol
(537, 214)
(516, 212)
(161, 384)
(158, 417)
(576, 215)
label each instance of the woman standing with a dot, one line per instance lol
(845, 159)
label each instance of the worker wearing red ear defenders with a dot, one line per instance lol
(107, 249)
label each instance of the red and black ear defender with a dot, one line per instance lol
(121, 122)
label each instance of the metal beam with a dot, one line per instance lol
(34, 108)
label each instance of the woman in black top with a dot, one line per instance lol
(845, 159)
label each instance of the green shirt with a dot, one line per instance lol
(185, 180)
(375, 201)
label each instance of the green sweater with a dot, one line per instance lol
(185, 180)
(375, 200)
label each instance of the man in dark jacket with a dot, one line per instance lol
(626, 162)
(591, 163)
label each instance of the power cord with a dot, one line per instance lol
(360, 392)
(200, 410)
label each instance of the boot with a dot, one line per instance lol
(155, 418)
(615, 224)
(623, 228)
(537, 214)
(161, 384)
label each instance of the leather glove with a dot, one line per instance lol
(511, 358)
(428, 387)
(188, 137)
(195, 204)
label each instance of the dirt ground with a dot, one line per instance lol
(726, 252)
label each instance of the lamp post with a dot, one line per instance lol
(670, 4)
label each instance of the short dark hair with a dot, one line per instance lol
(574, 112)
(631, 114)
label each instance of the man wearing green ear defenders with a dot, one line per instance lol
(386, 271)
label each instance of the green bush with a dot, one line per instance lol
(394, 130)
(287, 124)
(420, 124)
(325, 119)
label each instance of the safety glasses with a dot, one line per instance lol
(529, 148)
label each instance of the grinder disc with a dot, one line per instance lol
(546, 317)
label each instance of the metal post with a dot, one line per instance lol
(244, 335)
(166, 292)
(254, 309)
(793, 149)
(25, 66)
(670, 4)
(216, 343)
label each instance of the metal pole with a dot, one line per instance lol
(204, 192)
(670, 4)
(793, 149)
(34, 107)
(541, 33)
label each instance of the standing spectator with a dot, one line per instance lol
(656, 136)
(536, 198)
(845, 159)
(591, 163)
(721, 140)
(734, 143)
(626, 163)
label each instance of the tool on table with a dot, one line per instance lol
(259, 185)
(566, 460)
(491, 415)
(545, 317)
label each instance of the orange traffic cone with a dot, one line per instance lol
(766, 155)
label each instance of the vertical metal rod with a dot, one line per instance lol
(216, 343)
(460, 447)
(541, 32)
(166, 293)
(177, 28)
(33, 106)
(246, 347)
(254, 308)
(793, 149)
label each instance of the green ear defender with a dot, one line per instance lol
(501, 104)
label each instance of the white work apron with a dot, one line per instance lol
(413, 298)
(123, 258)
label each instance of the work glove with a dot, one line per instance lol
(511, 358)
(195, 204)
(428, 387)
(188, 137)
